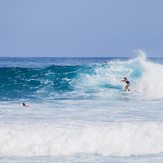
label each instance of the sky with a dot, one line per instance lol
(80, 28)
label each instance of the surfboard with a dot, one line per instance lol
(125, 92)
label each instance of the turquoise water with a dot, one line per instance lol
(78, 112)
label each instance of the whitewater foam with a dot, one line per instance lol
(150, 83)
(123, 139)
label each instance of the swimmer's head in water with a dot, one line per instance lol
(23, 104)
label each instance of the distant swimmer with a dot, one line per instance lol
(127, 82)
(26, 105)
(106, 62)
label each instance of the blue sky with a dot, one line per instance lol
(80, 28)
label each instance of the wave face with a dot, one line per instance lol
(79, 81)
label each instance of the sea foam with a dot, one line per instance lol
(114, 139)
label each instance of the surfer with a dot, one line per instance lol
(127, 82)
(25, 105)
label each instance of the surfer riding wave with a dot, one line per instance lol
(127, 82)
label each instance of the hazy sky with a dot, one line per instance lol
(80, 28)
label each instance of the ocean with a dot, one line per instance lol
(78, 112)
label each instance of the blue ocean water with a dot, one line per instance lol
(78, 112)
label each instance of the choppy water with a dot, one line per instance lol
(78, 112)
